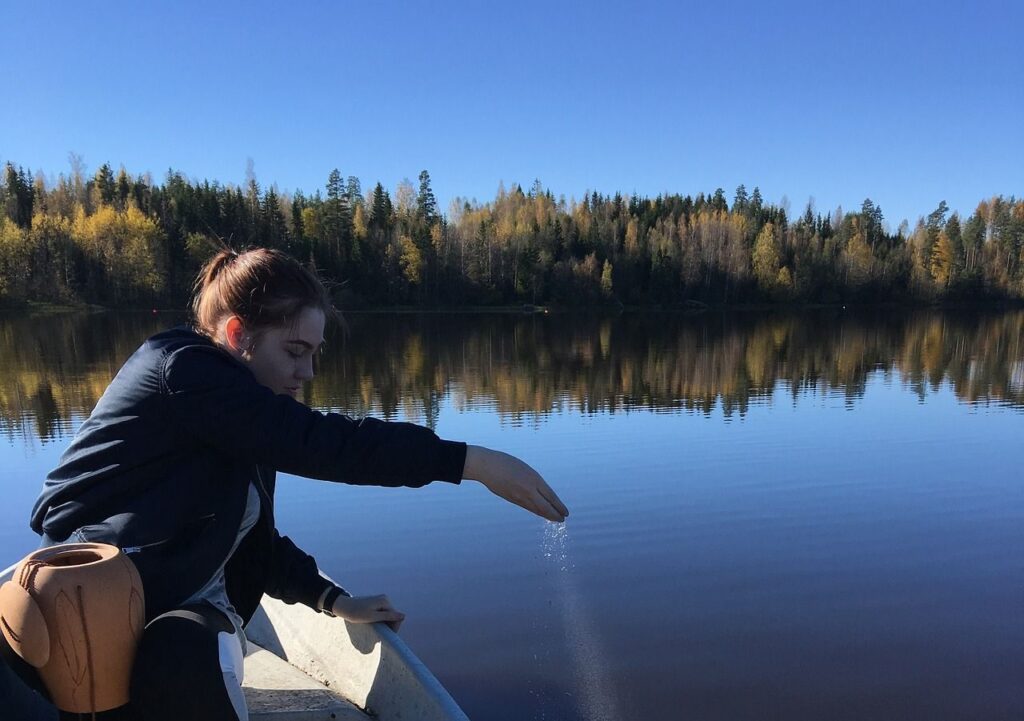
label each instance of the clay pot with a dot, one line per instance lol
(76, 613)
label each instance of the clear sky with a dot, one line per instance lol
(906, 103)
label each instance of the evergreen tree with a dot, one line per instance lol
(353, 193)
(124, 188)
(718, 201)
(105, 184)
(937, 218)
(275, 229)
(426, 204)
(740, 199)
(20, 198)
(298, 203)
(336, 225)
(871, 221)
(808, 220)
(755, 206)
(380, 209)
(955, 235)
(973, 239)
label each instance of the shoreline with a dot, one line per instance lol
(692, 308)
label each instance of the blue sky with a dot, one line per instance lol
(908, 103)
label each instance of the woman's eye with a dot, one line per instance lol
(294, 355)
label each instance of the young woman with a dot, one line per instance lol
(176, 465)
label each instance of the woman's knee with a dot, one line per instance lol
(185, 668)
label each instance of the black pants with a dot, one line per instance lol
(188, 666)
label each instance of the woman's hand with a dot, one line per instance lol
(368, 609)
(509, 478)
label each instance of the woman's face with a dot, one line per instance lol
(282, 358)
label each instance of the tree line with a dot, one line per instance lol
(122, 240)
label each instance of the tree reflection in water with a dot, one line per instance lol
(57, 366)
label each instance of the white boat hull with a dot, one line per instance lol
(368, 664)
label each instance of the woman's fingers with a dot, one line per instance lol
(551, 497)
(388, 614)
(392, 618)
(549, 504)
(543, 507)
(384, 611)
(369, 609)
(544, 502)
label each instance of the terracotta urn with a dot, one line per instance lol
(76, 613)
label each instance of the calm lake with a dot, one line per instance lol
(789, 516)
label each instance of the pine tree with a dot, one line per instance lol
(718, 201)
(336, 224)
(740, 200)
(274, 227)
(105, 184)
(298, 233)
(353, 193)
(380, 209)
(937, 218)
(871, 222)
(426, 204)
(755, 200)
(20, 196)
(124, 188)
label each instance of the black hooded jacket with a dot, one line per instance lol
(162, 469)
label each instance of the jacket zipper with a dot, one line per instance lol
(136, 549)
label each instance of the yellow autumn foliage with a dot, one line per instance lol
(410, 260)
(942, 260)
(15, 259)
(359, 224)
(859, 260)
(124, 244)
(766, 258)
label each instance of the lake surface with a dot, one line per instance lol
(773, 516)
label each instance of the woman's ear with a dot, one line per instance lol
(235, 334)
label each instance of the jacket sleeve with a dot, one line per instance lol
(294, 576)
(216, 400)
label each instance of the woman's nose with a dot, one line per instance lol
(305, 370)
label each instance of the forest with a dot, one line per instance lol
(119, 240)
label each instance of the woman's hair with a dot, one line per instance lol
(263, 287)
